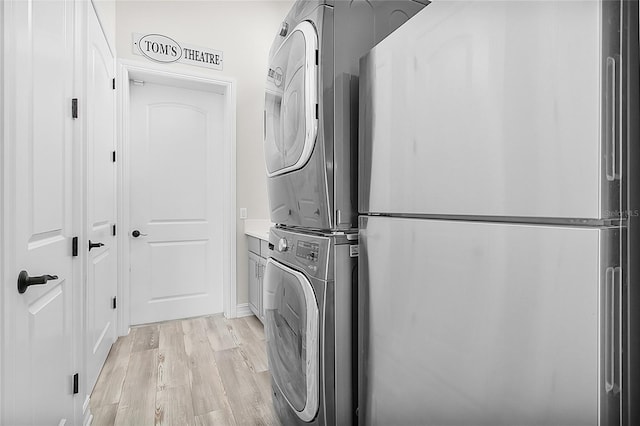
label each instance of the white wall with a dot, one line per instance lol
(243, 30)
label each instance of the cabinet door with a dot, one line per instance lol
(262, 263)
(255, 295)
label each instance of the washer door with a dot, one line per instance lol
(292, 332)
(290, 122)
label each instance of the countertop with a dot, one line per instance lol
(258, 228)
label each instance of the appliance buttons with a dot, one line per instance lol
(282, 245)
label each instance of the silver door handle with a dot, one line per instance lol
(612, 133)
(612, 330)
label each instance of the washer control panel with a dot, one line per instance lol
(307, 250)
(314, 254)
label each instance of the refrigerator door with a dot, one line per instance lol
(471, 323)
(504, 108)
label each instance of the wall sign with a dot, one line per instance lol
(163, 49)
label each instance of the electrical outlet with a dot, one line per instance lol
(243, 212)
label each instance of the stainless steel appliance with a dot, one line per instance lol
(309, 282)
(310, 123)
(498, 220)
(310, 116)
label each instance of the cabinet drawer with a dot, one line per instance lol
(264, 248)
(254, 245)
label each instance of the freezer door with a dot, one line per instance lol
(471, 324)
(503, 108)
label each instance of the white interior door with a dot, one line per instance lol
(37, 375)
(176, 203)
(101, 282)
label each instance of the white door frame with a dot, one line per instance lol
(128, 70)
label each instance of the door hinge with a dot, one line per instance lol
(113, 156)
(317, 111)
(113, 230)
(74, 108)
(114, 84)
(317, 55)
(114, 303)
(75, 384)
(74, 246)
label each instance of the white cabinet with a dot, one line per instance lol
(255, 284)
(258, 252)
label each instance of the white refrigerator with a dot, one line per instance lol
(494, 216)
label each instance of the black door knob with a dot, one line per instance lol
(24, 280)
(94, 245)
(136, 234)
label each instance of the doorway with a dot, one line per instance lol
(177, 193)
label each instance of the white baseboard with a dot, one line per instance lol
(243, 310)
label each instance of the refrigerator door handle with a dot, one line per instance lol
(612, 148)
(612, 330)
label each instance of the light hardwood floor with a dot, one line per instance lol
(198, 371)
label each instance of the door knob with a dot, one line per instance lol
(94, 245)
(136, 234)
(24, 280)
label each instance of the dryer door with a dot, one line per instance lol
(290, 122)
(292, 332)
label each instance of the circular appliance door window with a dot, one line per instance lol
(290, 123)
(291, 312)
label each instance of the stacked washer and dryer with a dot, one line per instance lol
(310, 143)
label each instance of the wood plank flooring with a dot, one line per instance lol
(198, 371)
